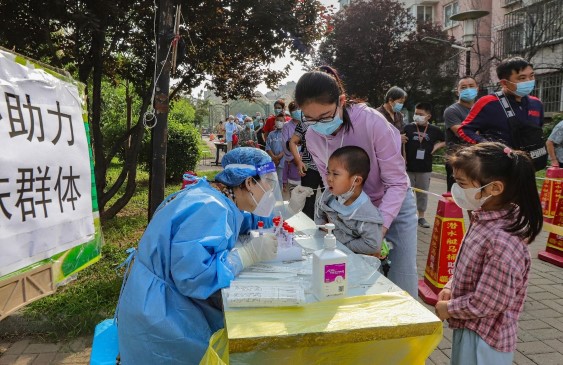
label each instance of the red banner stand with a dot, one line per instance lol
(448, 231)
(550, 192)
(554, 250)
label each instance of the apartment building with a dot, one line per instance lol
(532, 29)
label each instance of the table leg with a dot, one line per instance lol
(217, 148)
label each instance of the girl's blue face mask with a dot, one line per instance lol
(398, 107)
(297, 114)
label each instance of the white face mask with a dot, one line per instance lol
(266, 204)
(419, 119)
(279, 124)
(465, 198)
(342, 198)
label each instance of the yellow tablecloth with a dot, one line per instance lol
(389, 328)
(377, 324)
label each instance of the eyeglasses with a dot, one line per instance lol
(323, 120)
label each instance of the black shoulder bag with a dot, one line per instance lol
(526, 136)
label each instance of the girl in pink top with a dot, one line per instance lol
(335, 122)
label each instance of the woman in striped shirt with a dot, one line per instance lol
(309, 172)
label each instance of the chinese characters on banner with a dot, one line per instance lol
(45, 177)
(550, 192)
(444, 246)
(555, 241)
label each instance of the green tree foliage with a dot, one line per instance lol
(183, 149)
(231, 43)
(201, 112)
(182, 111)
(377, 44)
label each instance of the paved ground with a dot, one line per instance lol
(540, 339)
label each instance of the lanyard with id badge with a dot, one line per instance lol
(420, 152)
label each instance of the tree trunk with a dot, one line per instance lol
(128, 102)
(99, 160)
(129, 171)
(160, 130)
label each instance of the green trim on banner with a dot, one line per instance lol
(95, 207)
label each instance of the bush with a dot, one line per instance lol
(183, 149)
(182, 153)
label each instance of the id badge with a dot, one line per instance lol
(420, 154)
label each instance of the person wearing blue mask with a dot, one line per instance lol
(171, 302)
(230, 130)
(358, 223)
(489, 118)
(391, 109)
(454, 115)
(274, 146)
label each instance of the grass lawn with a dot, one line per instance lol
(75, 309)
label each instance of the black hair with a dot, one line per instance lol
(292, 106)
(490, 161)
(355, 160)
(280, 102)
(281, 115)
(394, 93)
(509, 65)
(323, 86)
(465, 78)
(427, 107)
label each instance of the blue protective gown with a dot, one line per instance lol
(168, 311)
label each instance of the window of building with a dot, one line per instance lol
(552, 21)
(533, 26)
(449, 10)
(510, 2)
(549, 89)
(511, 40)
(424, 14)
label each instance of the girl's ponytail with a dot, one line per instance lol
(529, 221)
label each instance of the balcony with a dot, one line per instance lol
(530, 28)
(509, 3)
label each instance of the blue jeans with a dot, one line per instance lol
(402, 234)
(468, 348)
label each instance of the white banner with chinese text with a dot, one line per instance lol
(45, 181)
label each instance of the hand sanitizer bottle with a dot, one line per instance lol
(330, 269)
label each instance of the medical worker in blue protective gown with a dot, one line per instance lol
(171, 302)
